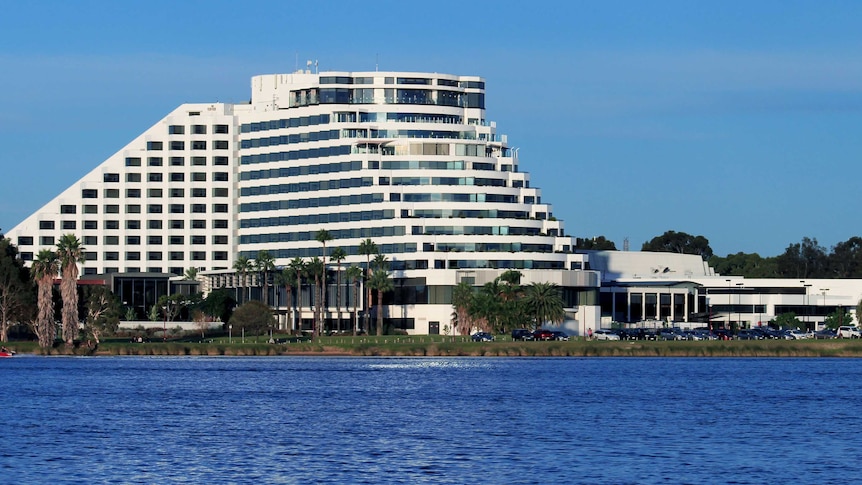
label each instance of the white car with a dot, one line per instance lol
(605, 335)
(848, 331)
(795, 335)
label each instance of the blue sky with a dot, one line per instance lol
(735, 120)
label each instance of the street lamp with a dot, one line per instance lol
(728, 304)
(739, 303)
(805, 302)
(230, 334)
(165, 323)
(824, 290)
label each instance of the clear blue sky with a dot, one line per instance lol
(735, 120)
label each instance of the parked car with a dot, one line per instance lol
(826, 333)
(671, 334)
(795, 334)
(543, 334)
(848, 331)
(559, 335)
(522, 334)
(482, 337)
(748, 334)
(602, 334)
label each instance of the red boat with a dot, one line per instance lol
(6, 353)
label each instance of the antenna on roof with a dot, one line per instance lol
(376, 61)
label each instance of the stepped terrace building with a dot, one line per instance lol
(405, 159)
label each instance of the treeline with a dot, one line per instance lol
(805, 259)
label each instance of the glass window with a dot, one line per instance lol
(133, 209)
(155, 240)
(68, 209)
(133, 193)
(220, 145)
(220, 129)
(199, 177)
(133, 161)
(89, 194)
(199, 192)
(178, 192)
(155, 193)
(199, 224)
(155, 177)
(154, 208)
(199, 129)
(46, 224)
(199, 240)
(154, 224)
(177, 177)
(133, 224)
(112, 209)
(154, 161)
(91, 225)
(90, 240)
(152, 145)
(111, 177)
(219, 160)
(199, 161)
(199, 145)
(178, 161)
(176, 240)
(177, 208)
(68, 225)
(112, 193)
(133, 177)
(91, 209)
(178, 145)
(176, 130)
(220, 176)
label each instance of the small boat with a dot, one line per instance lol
(6, 353)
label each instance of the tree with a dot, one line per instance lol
(338, 256)
(299, 268)
(545, 303)
(314, 269)
(172, 305)
(368, 248)
(802, 260)
(44, 270)
(462, 302)
(15, 287)
(201, 322)
(103, 312)
(219, 304)
(786, 320)
(839, 317)
(254, 317)
(242, 266)
(743, 264)
(70, 253)
(679, 242)
(323, 237)
(191, 274)
(845, 261)
(263, 265)
(381, 283)
(354, 275)
(599, 243)
(285, 278)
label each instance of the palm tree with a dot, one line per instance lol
(367, 247)
(70, 253)
(462, 301)
(285, 278)
(263, 265)
(299, 269)
(354, 275)
(545, 303)
(338, 256)
(381, 283)
(191, 274)
(315, 269)
(322, 237)
(44, 270)
(242, 266)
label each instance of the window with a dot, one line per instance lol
(91, 209)
(178, 192)
(112, 193)
(220, 255)
(198, 240)
(177, 208)
(220, 224)
(133, 177)
(133, 224)
(199, 177)
(25, 240)
(111, 209)
(111, 256)
(133, 256)
(154, 240)
(91, 225)
(111, 177)
(176, 130)
(176, 255)
(133, 240)
(199, 256)
(154, 224)
(133, 209)
(154, 208)
(220, 129)
(155, 177)
(154, 193)
(177, 177)
(219, 239)
(199, 145)
(197, 192)
(151, 146)
(133, 193)
(220, 208)
(178, 161)
(67, 209)
(176, 224)
(112, 225)
(46, 240)
(90, 240)
(199, 161)
(199, 129)
(68, 225)
(175, 240)
(154, 162)
(199, 224)
(89, 193)
(133, 161)
(46, 224)
(220, 144)
(199, 208)
(178, 145)
(220, 176)
(219, 160)
(220, 192)
(154, 256)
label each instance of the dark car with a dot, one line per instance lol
(558, 335)
(522, 334)
(749, 334)
(482, 337)
(542, 334)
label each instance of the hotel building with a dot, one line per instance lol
(408, 160)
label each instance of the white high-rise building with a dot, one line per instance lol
(405, 159)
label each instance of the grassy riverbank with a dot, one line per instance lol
(460, 346)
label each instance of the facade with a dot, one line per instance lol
(407, 160)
